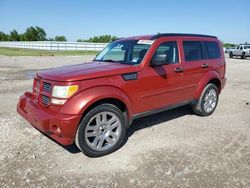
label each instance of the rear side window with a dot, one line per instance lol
(212, 50)
(193, 50)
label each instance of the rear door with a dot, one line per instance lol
(213, 55)
(195, 66)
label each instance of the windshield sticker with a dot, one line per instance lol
(148, 42)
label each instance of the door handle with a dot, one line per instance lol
(204, 66)
(178, 69)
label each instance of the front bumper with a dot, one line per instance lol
(60, 127)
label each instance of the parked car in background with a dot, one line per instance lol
(227, 50)
(242, 50)
(93, 104)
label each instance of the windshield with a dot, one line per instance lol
(126, 51)
(246, 47)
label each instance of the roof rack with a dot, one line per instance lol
(180, 35)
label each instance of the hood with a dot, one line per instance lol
(84, 71)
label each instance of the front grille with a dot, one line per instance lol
(45, 100)
(42, 92)
(47, 87)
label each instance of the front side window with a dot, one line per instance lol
(193, 50)
(127, 51)
(170, 51)
(213, 50)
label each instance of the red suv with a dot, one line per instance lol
(92, 104)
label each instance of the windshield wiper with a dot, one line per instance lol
(110, 60)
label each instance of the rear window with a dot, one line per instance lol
(212, 50)
(193, 50)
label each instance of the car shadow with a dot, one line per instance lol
(146, 122)
(155, 119)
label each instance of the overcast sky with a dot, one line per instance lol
(229, 20)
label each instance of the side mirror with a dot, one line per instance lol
(159, 59)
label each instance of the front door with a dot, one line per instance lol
(162, 84)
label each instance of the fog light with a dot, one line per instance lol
(56, 130)
(58, 101)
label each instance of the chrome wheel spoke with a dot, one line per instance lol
(92, 128)
(104, 117)
(94, 144)
(114, 136)
(109, 140)
(112, 127)
(100, 143)
(91, 134)
(112, 120)
(98, 120)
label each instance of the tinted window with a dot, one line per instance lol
(169, 49)
(213, 50)
(193, 50)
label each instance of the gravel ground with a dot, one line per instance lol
(171, 149)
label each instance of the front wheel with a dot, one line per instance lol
(101, 131)
(243, 56)
(208, 101)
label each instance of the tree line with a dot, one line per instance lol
(31, 34)
(99, 39)
(38, 34)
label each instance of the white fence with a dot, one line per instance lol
(54, 46)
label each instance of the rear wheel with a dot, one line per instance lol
(231, 54)
(208, 101)
(243, 56)
(101, 131)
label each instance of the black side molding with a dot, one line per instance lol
(130, 76)
(143, 114)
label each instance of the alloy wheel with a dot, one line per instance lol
(103, 131)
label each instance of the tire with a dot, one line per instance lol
(231, 55)
(208, 101)
(97, 135)
(243, 56)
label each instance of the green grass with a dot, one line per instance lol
(31, 52)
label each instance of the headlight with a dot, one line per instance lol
(64, 91)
